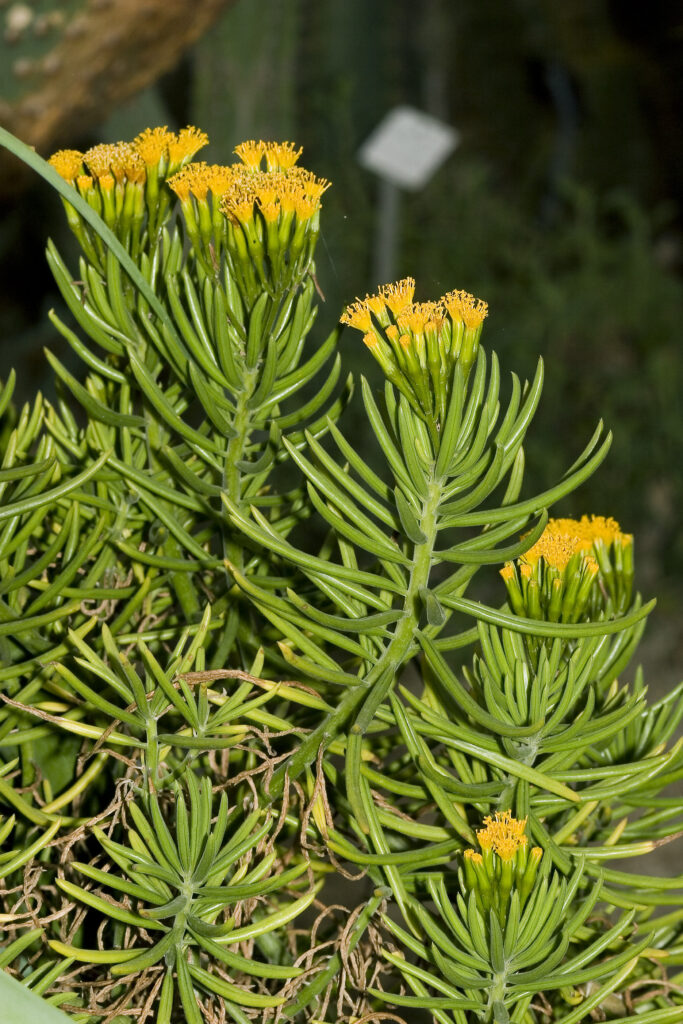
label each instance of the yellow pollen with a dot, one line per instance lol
(310, 185)
(84, 182)
(370, 339)
(398, 295)
(106, 182)
(475, 857)
(68, 163)
(392, 332)
(124, 156)
(134, 167)
(375, 304)
(508, 571)
(405, 341)
(99, 158)
(525, 570)
(270, 211)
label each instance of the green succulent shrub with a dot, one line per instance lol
(264, 755)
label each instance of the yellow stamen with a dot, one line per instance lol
(181, 185)
(251, 153)
(357, 315)
(475, 857)
(270, 211)
(152, 144)
(398, 295)
(99, 158)
(305, 207)
(503, 834)
(375, 304)
(135, 168)
(281, 155)
(463, 306)
(185, 144)
(415, 318)
(563, 538)
(370, 339)
(219, 179)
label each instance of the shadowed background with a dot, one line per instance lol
(561, 207)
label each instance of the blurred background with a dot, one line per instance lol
(562, 206)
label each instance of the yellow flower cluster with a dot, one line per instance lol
(573, 571)
(563, 538)
(278, 156)
(277, 194)
(131, 161)
(245, 188)
(256, 215)
(503, 834)
(505, 864)
(419, 343)
(121, 181)
(199, 179)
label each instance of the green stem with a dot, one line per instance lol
(232, 475)
(379, 680)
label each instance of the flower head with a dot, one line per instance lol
(557, 578)
(398, 295)
(152, 144)
(427, 339)
(464, 307)
(183, 146)
(251, 153)
(280, 156)
(505, 863)
(68, 163)
(503, 834)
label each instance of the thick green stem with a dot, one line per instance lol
(232, 475)
(374, 687)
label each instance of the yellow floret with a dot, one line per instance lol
(281, 155)
(503, 834)
(251, 153)
(357, 315)
(68, 163)
(462, 306)
(398, 295)
(185, 144)
(415, 317)
(152, 144)
(563, 538)
(180, 184)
